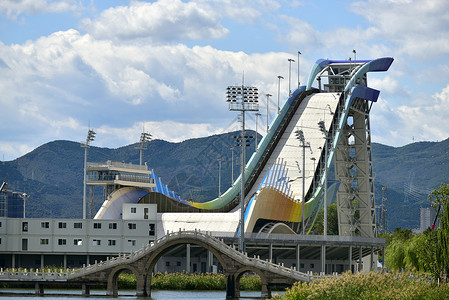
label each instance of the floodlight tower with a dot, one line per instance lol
(290, 60)
(279, 91)
(145, 137)
(300, 136)
(299, 53)
(242, 98)
(323, 129)
(90, 137)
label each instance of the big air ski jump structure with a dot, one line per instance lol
(341, 102)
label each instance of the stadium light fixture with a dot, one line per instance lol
(242, 98)
(90, 138)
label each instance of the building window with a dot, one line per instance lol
(78, 242)
(62, 225)
(131, 242)
(0, 241)
(312, 266)
(151, 231)
(167, 264)
(25, 226)
(24, 244)
(78, 225)
(96, 242)
(62, 242)
(44, 241)
(133, 210)
(112, 225)
(111, 242)
(97, 225)
(302, 266)
(132, 226)
(45, 224)
(0, 224)
(178, 263)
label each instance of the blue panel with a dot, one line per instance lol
(365, 93)
(381, 64)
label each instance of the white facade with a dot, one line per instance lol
(74, 236)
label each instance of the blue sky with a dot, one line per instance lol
(163, 66)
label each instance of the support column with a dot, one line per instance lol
(39, 289)
(140, 286)
(298, 255)
(266, 292)
(13, 261)
(270, 252)
(371, 260)
(85, 290)
(65, 261)
(231, 291)
(42, 262)
(360, 259)
(187, 258)
(383, 258)
(350, 259)
(209, 261)
(323, 258)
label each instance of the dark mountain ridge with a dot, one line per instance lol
(53, 173)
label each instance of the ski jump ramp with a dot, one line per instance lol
(274, 175)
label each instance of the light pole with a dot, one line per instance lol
(232, 165)
(279, 91)
(290, 60)
(145, 137)
(268, 101)
(242, 98)
(355, 55)
(24, 196)
(299, 53)
(300, 136)
(323, 129)
(257, 117)
(90, 137)
(219, 176)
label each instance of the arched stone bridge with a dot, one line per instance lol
(142, 262)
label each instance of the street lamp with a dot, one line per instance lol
(242, 98)
(279, 91)
(355, 55)
(299, 53)
(290, 60)
(268, 101)
(323, 129)
(90, 137)
(145, 137)
(257, 117)
(300, 136)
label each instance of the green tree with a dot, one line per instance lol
(440, 199)
(332, 221)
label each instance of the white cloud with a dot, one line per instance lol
(421, 119)
(13, 8)
(418, 28)
(161, 21)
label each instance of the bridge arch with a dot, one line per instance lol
(158, 253)
(265, 292)
(112, 280)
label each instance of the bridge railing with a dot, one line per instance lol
(34, 274)
(207, 237)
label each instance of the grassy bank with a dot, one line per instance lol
(190, 281)
(369, 286)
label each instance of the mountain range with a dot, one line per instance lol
(52, 174)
